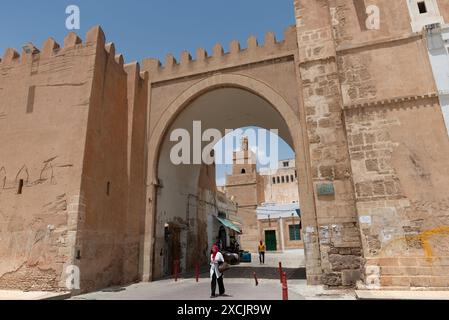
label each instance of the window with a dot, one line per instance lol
(288, 179)
(285, 164)
(19, 191)
(274, 180)
(283, 179)
(291, 178)
(295, 232)
(278, 180)
(243, 171)
(108, 188)
(422, 7)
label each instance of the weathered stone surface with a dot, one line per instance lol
(341, 262)
(350, 277)
(332, 279)
(84, 181)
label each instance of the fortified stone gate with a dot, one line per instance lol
(85, 176)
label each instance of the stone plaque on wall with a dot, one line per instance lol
(325, 189)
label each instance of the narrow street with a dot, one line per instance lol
(239, 282)
(236, 288)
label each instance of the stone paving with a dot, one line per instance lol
(237, 289)
(239, 282)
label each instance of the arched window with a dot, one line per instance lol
(278, 180)
(274, 180)
(243, 171)
(283, 179)
(288, 179)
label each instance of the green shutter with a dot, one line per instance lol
(295, 232)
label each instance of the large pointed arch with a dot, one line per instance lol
(289, 113)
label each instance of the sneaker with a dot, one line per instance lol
(213, 296)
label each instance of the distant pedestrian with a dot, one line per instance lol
(261, 250)
(216, 259)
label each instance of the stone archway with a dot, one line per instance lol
(290, 116)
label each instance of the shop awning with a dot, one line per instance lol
(229, 224)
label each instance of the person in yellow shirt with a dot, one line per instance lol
(262, 250)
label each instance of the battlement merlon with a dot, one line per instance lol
(237, 56)
(50, 49)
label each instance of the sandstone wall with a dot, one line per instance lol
(394, 128)
(335, 240)
(44, 105)
(108, 237)
(137, 119)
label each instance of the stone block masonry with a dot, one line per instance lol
(56, 122)
(83, 173)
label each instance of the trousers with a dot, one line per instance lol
(221, 288)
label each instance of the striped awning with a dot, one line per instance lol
(229, 224)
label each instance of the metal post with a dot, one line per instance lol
(280, 271)
(284, 287)
(255, 279)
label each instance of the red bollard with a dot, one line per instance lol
(280, 271)
(197, 272)
(255, 278)
(284, 287)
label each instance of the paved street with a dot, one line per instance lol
(237, 289)
(239, 282)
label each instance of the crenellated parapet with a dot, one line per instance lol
(272, 49)
(51, 48)
(72, 44)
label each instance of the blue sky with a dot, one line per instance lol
(149, 28)
(153, 28)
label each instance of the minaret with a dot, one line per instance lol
(244, 161)
(243, 184)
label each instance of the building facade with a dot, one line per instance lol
(268, 201)
(280, 186)
(85, 174)
(280, 226)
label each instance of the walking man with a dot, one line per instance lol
(262, 252)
